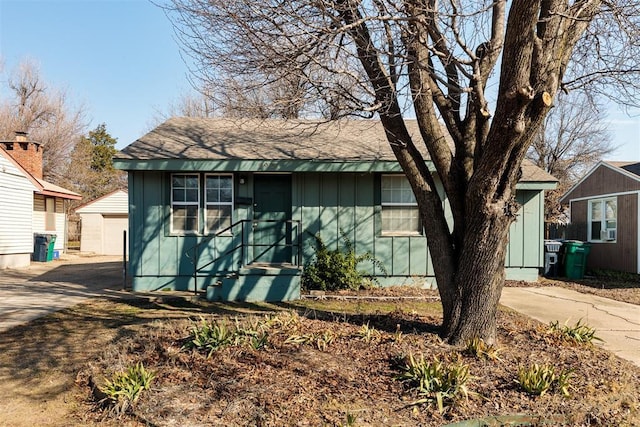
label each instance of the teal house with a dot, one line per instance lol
(230, 207)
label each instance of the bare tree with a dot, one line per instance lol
(193, 104)
(482, 74)
(573, 137)
(46, 114)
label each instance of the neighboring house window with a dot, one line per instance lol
(50, 214)
(185, 203)
(218, 201)
(603, 220)
(399, 207)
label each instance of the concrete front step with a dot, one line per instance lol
(258, 283)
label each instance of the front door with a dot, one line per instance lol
(272, 207)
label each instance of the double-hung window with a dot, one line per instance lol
(603, 220)
(185, 203)
(218, 201)
(400, 213)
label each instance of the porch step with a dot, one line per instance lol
(258, 283)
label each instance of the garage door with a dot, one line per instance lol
(113, 227)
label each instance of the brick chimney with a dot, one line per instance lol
(27, 153)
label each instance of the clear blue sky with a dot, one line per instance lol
(119, 58)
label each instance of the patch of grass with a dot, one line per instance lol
(124, 388)
(578, 333)
(538, 379)
(435, 381)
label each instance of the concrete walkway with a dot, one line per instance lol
(617, 323)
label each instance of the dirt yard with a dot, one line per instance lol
(337, 378)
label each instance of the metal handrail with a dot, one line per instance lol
(243, 245)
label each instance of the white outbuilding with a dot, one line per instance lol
(103, 222)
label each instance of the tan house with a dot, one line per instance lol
(604, 208)
(29, 205)
(103, 223)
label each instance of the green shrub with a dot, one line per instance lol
(124, 388)
(579, 333)
(538, 379)
(336, 269)
(436, 381)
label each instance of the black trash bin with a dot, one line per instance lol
(40, 247)
(551, 258)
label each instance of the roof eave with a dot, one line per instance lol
(59, 194)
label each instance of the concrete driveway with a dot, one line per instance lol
(26, 294)
(616, 323)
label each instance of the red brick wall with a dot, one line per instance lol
(28, 154)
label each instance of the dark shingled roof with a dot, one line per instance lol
(257, 139)
(633, 167)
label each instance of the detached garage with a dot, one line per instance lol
(103, 222)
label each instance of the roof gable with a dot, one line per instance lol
(115, 202)
(605, 178)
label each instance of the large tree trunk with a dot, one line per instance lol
(480, 277)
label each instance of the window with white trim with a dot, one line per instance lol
(603, 220)
(400, 213)
(218, 201)
(185, 203)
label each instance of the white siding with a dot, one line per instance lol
(16, 209)
(114, 203)
(39, 221)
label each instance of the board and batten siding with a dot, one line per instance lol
(525, 251)
(16, 213)
(332, 204)
(324, 203)
(157, 259)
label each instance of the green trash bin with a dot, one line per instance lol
(575, 258)
(52, 243)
